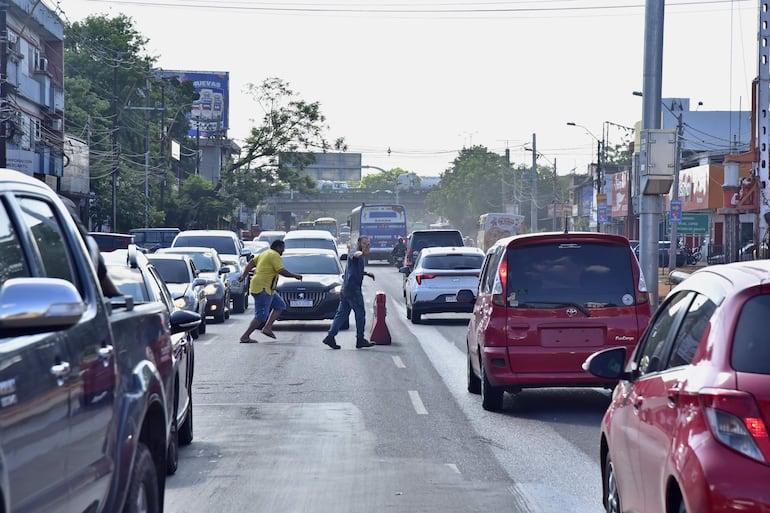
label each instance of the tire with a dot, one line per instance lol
(220, 315)
(612, 503)
(143, 487)
(416, 316)
(491, 396)
(202, 327)
(474, 383)
(239, 303)
(172, 453)
(409, 313)
(186, 429)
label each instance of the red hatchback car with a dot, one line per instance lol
(546, 301)
(686, 430)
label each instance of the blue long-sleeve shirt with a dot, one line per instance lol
(354, 274)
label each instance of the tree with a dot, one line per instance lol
(469, 188)
(278, 149)
(109, 82)
(389, 180)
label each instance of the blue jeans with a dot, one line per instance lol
(264, 302)
(350, 301)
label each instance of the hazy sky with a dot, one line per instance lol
(424, 78)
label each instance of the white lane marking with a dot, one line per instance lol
(567, 488)
(453, 467)
(399, 363)
(419, 408)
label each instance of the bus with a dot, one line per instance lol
(382, 223)
(152, 239)
(327, 223)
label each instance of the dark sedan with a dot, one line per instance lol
(317, 296)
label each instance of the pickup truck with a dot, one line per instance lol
(87, 408)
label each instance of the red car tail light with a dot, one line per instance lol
(423, 276)
(735, 420)
(498, 297)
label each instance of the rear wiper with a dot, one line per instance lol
(555, 304)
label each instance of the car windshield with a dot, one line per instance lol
(312, 264)
(172, 271)
(223, 245)
(454, 261)
(204, 262)
(593, 274)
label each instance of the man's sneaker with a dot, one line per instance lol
(329, 341)
(362, 342)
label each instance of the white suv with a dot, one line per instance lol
(231, 251)
(319, 239)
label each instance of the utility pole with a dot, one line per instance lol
(533, 210)
(672, 250)
(555, 216)
(114, 142)
(650, 204)
(502, 178)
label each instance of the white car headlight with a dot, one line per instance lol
(210, 289)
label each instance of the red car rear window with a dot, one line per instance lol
(592, 274)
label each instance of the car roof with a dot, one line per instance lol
(467, 250)
(309, 251)
(308, 234)
(545, 237)
(221, 233)
(187, 249)
(168, 256)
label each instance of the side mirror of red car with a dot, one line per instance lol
(608, 364)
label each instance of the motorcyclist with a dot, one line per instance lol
(399, 250)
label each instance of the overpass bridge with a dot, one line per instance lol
(340, 204)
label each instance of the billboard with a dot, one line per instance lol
(209, 115)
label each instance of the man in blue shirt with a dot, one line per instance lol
(351, 297)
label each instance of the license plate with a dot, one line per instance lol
(301, 303)
(451, 299)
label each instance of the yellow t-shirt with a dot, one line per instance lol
(267, 265)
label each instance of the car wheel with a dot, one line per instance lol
(491, 396)
(220, 315)
(416, 316)
(408, 312)
(186, 429)
(172, 454)
(239, 303)
(143, 489)
(611, 494)
(474, 383)
(202, 327)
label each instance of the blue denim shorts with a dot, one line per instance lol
(264, 302)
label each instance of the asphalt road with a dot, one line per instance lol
(289, 425)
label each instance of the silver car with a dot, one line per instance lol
(438, 273)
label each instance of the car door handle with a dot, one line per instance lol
(105, 353)
(60, 371)
(673, 395)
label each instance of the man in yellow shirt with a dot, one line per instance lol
(267, 304)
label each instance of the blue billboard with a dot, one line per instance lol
(209, 115)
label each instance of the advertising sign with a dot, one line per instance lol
(675, 214)
(209, 115)
(602, 213)
(691, 224)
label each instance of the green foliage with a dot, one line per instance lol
(480, 181)
(277, 150)
(111, 83)
(387, 180)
